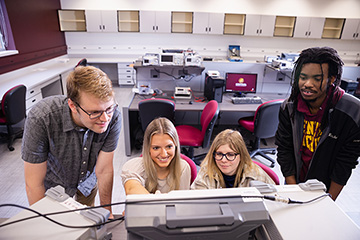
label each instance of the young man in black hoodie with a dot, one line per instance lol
(318, 136)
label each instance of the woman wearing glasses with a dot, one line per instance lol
(228, 164)
(160, 168)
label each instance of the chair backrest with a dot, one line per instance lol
(208, 119)
(192, 166)
(267, 118)
(13, 104)
(269, 172)
(151, 108)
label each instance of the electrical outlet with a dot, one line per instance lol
(154, 74)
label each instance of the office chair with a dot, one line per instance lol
(193, 167)
(13, 110)
(263, 125)
(82, 62)
(151, 108)
(191, 137)
(269, 172)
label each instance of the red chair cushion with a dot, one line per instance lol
(2, 118)
(247, 123)
(189, 136)
(269, 172)
(192, 166)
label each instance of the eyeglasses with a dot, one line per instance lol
(229, 156)
(97, 114)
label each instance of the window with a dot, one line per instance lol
(7, 45)
(3, 32)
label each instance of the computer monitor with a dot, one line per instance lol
(240, 83)
(195, 214)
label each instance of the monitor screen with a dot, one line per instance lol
(196, 214)
(241, 82)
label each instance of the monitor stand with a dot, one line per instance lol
(239, 94)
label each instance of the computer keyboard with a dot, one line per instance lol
(246, 100)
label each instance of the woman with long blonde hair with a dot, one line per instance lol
(160, 167)
(228, 164)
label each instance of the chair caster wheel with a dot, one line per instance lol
(11, 149)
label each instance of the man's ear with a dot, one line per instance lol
(72, 105)
(331, 80)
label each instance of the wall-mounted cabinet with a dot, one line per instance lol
(208, 23)
(72, 20)
(155, 21)
(259, 25)
(284, 26)
(351, 29)
(101, 21)
(234, 23)
(182, 22)
(333, 28)
(128, 21)
(307, 27)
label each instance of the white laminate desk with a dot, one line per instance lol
(38, 77)
(130, 112)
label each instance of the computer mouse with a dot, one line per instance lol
(190, 102)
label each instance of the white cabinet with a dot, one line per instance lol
(307, 27)
(351, 29)
(208, 23)
(101, 21)
(126, 73)
(259, 25)
(155, 21)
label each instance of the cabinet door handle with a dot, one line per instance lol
(32, 91)
(154, 28)
(103, 27)
(357, 34)
(260, 31)
(157, 28)
(209, 29)
(100, 27)
(309, 33)
(257, 30)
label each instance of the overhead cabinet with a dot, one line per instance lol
(259, 25)
(155, 21)
(72, 20)
(181, 22)
(128, 21)
(284, 26)
(101, 21)
(307, 27)
(208, 23)
(333, 28)
(351, 29)
(234, 23)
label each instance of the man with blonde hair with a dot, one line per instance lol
(70, 141)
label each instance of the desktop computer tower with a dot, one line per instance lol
(214, 88)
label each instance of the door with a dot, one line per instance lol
(351, 29)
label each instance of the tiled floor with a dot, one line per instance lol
(12, 188)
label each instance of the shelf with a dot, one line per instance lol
(333, 28)
(234, 24)
(128, 21)
(72, 20)
(284, 26)
(182, 22)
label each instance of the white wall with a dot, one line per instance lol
(134, 45)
